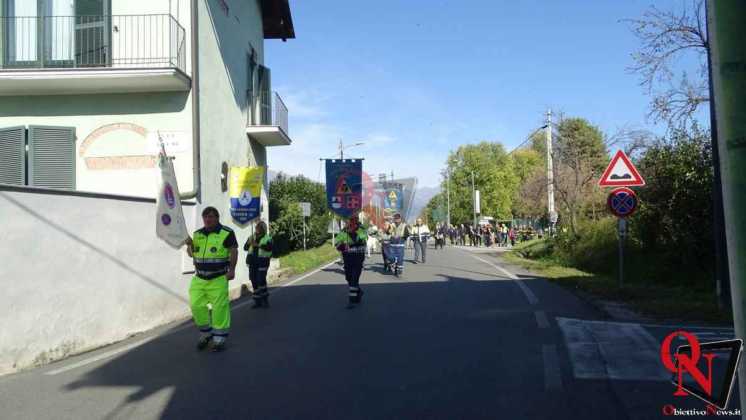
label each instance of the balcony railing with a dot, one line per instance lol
(112, 41)
(269, 110)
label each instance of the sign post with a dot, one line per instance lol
(306, 209)
(622, 201)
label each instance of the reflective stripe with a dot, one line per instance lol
(262, 268)
(353, 294)
(202, 273)
(354, 288)
(205, 329)
(210, 260)
(220, 333)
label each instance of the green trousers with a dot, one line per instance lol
(213, 292)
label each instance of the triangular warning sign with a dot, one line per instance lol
(343, 188)
(621, 173)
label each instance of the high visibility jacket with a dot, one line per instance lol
(211, 256)
(399, 232)
(355, 243)
(264, 248)
(421, 232)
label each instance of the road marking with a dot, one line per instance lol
(530, 296)
(131, 346)
(612, 350)
(507, 273)
(541, 319)
(552, 374)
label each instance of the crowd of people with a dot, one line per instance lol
(484, 235)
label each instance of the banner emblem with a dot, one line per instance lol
(245, 192)
(344, 187)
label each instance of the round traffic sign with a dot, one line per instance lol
(622, 202)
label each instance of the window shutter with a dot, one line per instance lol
(265, 90)
(51, 157)
(13, 155)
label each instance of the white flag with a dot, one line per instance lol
(170, 224)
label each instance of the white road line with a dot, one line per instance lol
(530, 296)
(541, 319)
(552, 374)
(131, 346)
(507, 273)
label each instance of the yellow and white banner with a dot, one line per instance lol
(245, 191)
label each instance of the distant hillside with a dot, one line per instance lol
(421, 198)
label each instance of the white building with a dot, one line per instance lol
(86, 89)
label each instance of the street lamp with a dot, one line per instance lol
(342, 147)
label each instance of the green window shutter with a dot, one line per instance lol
(51, 157)
(13, 155)
(265, 90)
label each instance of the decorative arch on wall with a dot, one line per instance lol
(139, 159)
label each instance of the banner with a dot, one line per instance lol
(344, 187)
(393, 199)
(170, 224)
(245, 191)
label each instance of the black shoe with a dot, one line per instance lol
(257, 304)
(265, 303)
(203, 342)
(217, 347)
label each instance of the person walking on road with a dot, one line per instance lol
(398, 234)
(351, 243)
(214, 250)
(259, 246)
(420, 234)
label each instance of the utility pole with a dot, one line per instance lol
(474, 199)
(550, 174)
(448, 194)
(727, 56)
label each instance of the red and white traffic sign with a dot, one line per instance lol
(622, 202)
(621, 173)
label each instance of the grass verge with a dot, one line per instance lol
(301, 261)
(656, 299)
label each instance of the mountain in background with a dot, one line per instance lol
(422, 196)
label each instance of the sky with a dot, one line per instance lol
(414, 79)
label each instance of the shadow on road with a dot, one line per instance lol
(411, 350)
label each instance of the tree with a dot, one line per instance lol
(530, 197)
(285, 216)
(579, 156)
(494, 177)
(666, 38)
(675, 216)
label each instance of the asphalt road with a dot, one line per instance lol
(461, 337)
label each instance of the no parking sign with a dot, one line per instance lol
(622, 202)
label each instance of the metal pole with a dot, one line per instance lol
(722, 289)
(304, 233)
(550, 171)
(727, 41)
(621, 229)
(473, 200)
(448, 193)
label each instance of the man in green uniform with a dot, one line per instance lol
(214, 250)
(351, 243)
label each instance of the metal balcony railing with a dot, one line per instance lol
(269, 109)
(111, 41)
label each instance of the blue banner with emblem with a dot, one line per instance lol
(245, 191)
(344, 186)
(393, 199)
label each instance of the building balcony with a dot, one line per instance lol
(58, 55)
(268, 120)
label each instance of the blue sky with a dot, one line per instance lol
(415, 79)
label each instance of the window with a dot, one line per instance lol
(40, 156)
